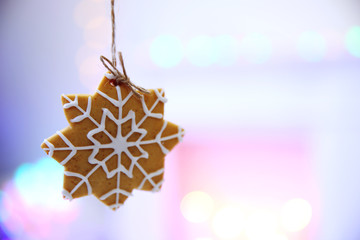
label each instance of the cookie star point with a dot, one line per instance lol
(116, 142)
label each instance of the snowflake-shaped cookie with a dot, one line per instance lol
(115, 143)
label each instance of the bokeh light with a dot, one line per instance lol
(32, 206)
(91, 71)
(87, 10)
(166, 51)
(200, 51)
(296, 215)
(262, 225)
(85, 52)
(353, 41)
(278, 237)
(226, 48)
(97, 33)
(229, 222)
(39, 184)
(256, 48)
(93, 17)
(312, 46)
(197, 206)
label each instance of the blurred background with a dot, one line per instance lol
(268, 92)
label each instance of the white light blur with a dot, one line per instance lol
(262, 225)
(197, 206)
(203, 238)
(278, 237)
(256, 48)
(296, 215)
(229, 222)
(166, 51)
(200, 51)
(312, 46)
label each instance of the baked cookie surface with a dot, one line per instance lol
(115, 142)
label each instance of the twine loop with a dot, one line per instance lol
(122, 77)
(119, 78)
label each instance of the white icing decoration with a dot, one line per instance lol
(160, 95)
(110, 76)
(149, 177)
(85, 115)
(115, 206)
(67, 195)
(50, 147)
(120, 143)
(115, 191)
(84, 179)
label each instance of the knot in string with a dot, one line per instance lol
(122, 78)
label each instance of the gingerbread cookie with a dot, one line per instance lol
(115, 143)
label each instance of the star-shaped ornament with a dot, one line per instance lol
(116, 142)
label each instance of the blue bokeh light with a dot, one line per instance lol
(200, 51)
(312, 46)
(166, 51)
(353, 41)
(226, 49)
(40, 183)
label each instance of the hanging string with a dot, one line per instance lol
(113, 37)
(122, 77)
(119, 77)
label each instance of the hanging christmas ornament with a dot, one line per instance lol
(116, 140)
